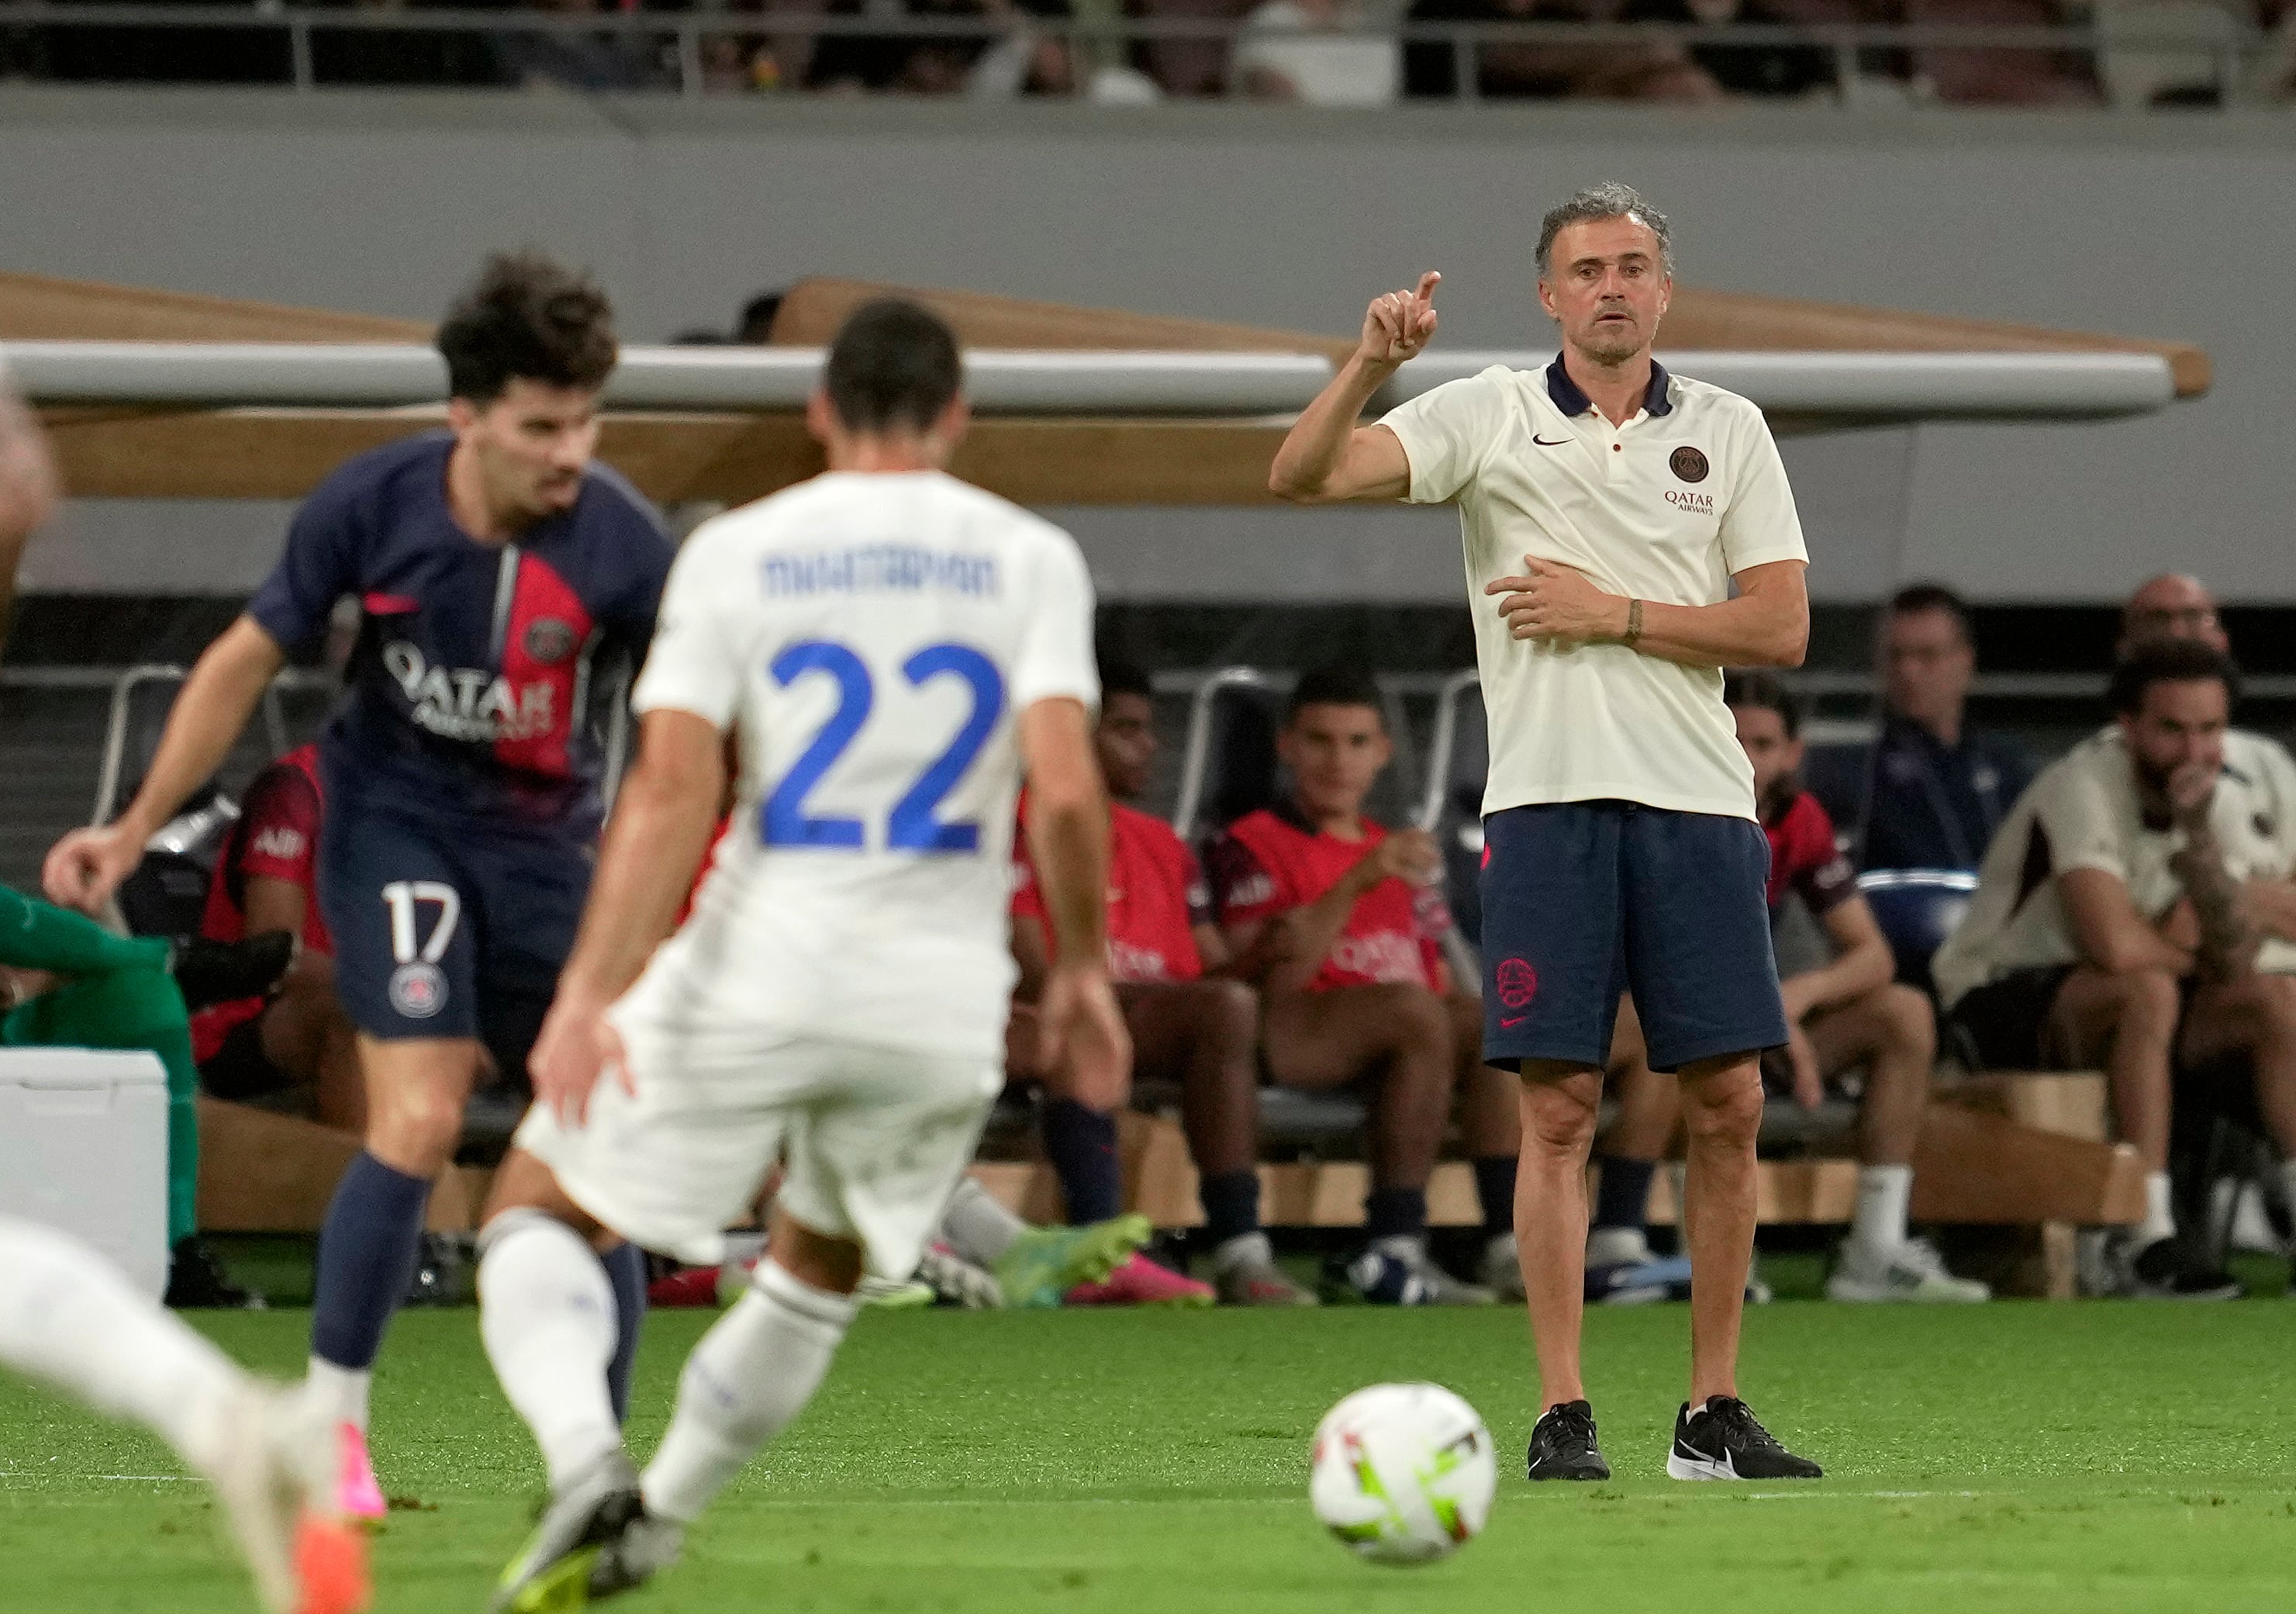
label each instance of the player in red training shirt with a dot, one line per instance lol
(1191, 1022)
(265, 880)
(1360, 993)
(1846, 1014)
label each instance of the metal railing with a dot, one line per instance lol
(2234, 51)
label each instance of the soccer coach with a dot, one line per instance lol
(1608, 506)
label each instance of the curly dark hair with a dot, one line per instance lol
(526, 317)
(2170, 661)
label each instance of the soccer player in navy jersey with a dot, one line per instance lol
(496, 568)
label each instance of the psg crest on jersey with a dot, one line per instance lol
(549, 641)
(1688, 463)
(418, 991)
(1517, 981)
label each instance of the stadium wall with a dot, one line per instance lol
(2168, 227)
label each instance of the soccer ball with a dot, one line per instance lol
(1402, 1472)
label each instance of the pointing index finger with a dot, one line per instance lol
(1427, 285)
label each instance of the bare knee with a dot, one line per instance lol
(1231, 1011)
(1559, 1116)
(1907, 1022)
(1722, 1108)
(2149, 1002)
(414, 1127)
(525, 1183)
(821, 1260)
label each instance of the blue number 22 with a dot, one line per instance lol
(911, 826)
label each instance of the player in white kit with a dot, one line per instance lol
(890, 651)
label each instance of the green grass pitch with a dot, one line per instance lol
(2070, 1457)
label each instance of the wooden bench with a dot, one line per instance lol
(2018, 1151)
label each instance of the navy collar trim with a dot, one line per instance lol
(1573, 402)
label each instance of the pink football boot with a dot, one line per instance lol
(1140, 1281)
(357, 1495)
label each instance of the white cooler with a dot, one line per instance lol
(84, 1148)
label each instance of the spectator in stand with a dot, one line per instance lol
(2111, 926)
(1846, 1014)
(1321, 53)
(1744, 70)
(1189, 67)
(581, 62)
(265, 879)
(1358, 993)
(1931, 790)
(1193, 1021)
(1652, 72)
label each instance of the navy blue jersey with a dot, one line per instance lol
(466, 692)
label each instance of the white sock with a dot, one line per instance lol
(547, 1313)
(751, 1374)
(2160, 1221)
(2287, 1182)
(68, 1317)
(1884, 1193)
(1245, 1249)
(976, 1226)
(339, 1393)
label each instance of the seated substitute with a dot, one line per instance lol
(265, 879)
(1930, 791)
(1845, 1015)
(1192, 1020)
(2111, 926)
(1360, 994)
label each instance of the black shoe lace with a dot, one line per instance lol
(1741, 1429)
(1570, 1427)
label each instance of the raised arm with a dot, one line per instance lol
(2228, 936)
(1327, 457)
(1766, 624)
(85, 867)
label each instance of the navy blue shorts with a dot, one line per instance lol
(1583, 900)
(445, 929)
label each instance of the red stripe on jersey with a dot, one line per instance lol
(547, 637)
(276, 839)
(390, 605)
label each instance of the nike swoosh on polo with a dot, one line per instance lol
(1558, 444)
(1507, 1025)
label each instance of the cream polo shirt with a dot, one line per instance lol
(1667, 507)
(2082, 812)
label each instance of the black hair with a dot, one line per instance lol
(1340, 685)
(756, 325)
(1914, 598)
(2168, 660)
(1765, 692)
(893, 365)
(1121, 676)
(527, 317)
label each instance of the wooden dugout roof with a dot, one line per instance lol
(1824, 368)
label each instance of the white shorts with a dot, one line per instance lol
(872, 1141)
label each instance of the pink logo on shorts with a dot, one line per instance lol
(1517, 981)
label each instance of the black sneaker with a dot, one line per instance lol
(196, 1280)
(2159, 1272)
(1724, 1440)
(1562, 1444)
(208, 973)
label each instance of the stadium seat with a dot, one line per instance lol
(1227, 765)
(1458, 758)
(1917, 910)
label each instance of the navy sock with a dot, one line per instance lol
(1231, 1201)
(1495, 1190)
(626, 1270)
(1622, 1192)
(1395, 1213)
(367, 1251)
(1082, 1145)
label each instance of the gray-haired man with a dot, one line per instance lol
(1608, 506)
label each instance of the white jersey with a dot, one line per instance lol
(870, 642)
(2082, 812)
(1667, 507)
